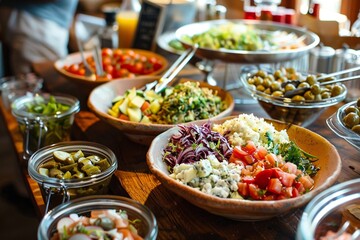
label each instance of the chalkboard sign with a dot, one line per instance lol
(150, 24)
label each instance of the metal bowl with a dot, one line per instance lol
(239, 56)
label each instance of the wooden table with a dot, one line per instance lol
(177, 219)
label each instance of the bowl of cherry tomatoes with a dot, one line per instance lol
(116, 63)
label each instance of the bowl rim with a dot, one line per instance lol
(287, 102)
(95, 201)
(60, 63)
(216, 202)
(21, 113)
(135, 125)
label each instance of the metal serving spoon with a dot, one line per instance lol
(298, 91)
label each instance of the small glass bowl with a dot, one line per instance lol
(41, 130)
(13, 87)
(329, 211)
(336, 124)
(56, 191)
(284, 109)
(147, 226)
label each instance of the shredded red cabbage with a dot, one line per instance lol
(194, 143)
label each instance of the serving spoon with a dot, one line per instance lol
(298, 91)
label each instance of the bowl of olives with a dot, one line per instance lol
(273, 90)
(345, 123)
(73, 169)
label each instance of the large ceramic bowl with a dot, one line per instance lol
(288, 110)
(146, 226)
(246, 210)
(336, 123)
(100, 100)
(75, 58)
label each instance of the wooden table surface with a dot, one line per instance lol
(177, 219)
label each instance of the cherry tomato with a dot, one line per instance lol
(106, 52)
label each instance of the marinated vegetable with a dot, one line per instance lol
(102, 224)
(243, 158)
(288, 79)
(73, 165)
(351, 117)
(183, 103)
(49, 120)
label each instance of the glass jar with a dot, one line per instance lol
(329, 211)
(147, 226)
(55, 190)
(40, 130)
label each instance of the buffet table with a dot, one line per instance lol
(177, 219)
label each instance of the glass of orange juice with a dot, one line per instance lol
(127, 23)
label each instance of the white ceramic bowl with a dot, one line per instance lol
(250, 210)
(100, 100)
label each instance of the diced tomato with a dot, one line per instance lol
(248, 179)
(289, 168)
(261, 152)
(255, 192)
(274, 186)
(262, 178)
(249, 147)
(295, 192)
(307, 182)
(269, 197)
(249, 159)
(288, 192)
(272, 159)
(287, 179)
(243, 189)
(300, 188)
(239, 153)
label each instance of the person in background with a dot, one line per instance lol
(35, 30)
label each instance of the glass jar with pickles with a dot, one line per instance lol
(73, 169)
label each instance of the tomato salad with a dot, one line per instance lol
(119, 63)
(274, 168)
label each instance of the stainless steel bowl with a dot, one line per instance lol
(239, 56)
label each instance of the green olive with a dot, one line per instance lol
(358, 102)
(352, 109)
(267, 91)
(278, 74)
(311, 79)
(277, 94)
(291, 70)
(260, 88)
(315, 89)
(251, 80)
(258, 81)
(266, 82)
(325, 95)
(336, 90)
(308, 95)
(289, 87)
(298, 98)
(261, 73)
(304, 85)
(105, 222)
(351, 119)
(356, 128)
(275, 86)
